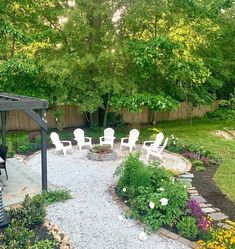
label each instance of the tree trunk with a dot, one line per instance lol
(106, 111)
(91, 119)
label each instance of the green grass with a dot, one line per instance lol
(202, 131)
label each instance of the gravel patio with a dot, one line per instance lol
(91, 219)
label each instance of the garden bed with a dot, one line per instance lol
(204, 183)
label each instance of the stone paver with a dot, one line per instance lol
(218, 216)
(198, 198)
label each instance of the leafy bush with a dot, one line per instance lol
(223, 113)
(174, 145)
(20, 140)
(31, 213)
(10, 146)
(187, 227)
(17, 236)
(198, 165)
(154, 196)
(53, 196)
(44, 244)
(22, 149)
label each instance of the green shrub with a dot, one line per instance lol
(55, 196)
(22, 149)
(198, 165)
(145, 186)
(133, 174)
(20, 140)
(174, 145)
(31, 213)
(187, 227)
(44, 244)
(10, 146)
(17, 236)
(223, 113)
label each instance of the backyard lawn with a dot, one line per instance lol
(202, 131)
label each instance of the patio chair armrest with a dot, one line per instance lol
(124, 138)
(88, 138)
(68, 142)
(101, 138)
(148, 142)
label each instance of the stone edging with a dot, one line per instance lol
(214, 213)
(161, 231)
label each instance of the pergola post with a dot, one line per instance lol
(44, 154)
(3, 119)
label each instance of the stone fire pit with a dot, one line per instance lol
(101, 153)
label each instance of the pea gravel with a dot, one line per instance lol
(92, 219)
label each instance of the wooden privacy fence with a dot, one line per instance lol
(183, 112)
(18, 120)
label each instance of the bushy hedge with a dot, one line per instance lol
(152, 192)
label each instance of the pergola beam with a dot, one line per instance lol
(10, 102)
(3, 120)
(38, 119)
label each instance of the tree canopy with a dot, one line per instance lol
(130, 54)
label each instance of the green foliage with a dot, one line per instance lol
(10, 145)
(136, 102)
(175, 145)
(59, 117)
(187, 227)
(44, 244)
(198, 165)
(17, 236)
(154, 196)
(53, 196)
(223, 113)
(32, 212)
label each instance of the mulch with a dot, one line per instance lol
(205, 185)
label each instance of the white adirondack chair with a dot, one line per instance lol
(155, 144)
(131, 140)
(157, 152)
(60, 145)
(108, 137)
(81, 139)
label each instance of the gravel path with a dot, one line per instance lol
(92, 219)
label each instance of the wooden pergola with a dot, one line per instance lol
(36, 109)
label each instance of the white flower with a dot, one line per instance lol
(185, 186)
(71, 3)
(142, 236)
(125, 201)
(174, 142)
(177, 138)
(124, 190)
(164, 201)
(161, 189)
(151, 205)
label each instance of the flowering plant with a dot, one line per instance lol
(221, 239)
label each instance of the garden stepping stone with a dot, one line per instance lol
(187, 175)
(218, 216)
(198, 198)
(208, 210)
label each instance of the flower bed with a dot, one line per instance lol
(26, 228)
(157, 200)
